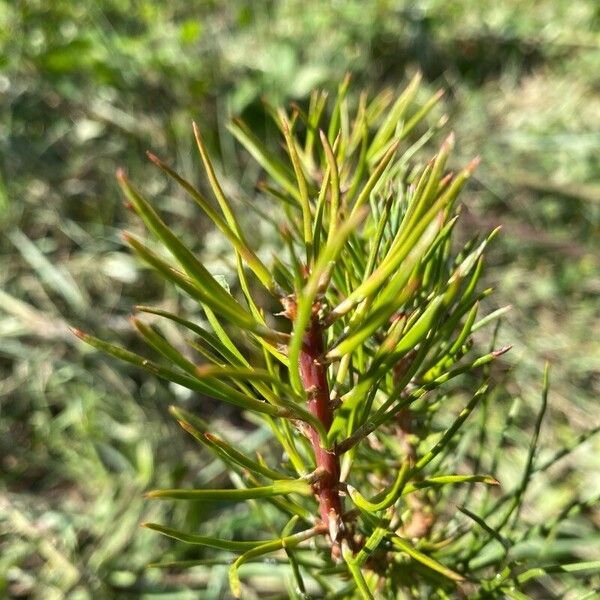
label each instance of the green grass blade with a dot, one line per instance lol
(449, 434)
(490, 530)
(592, 566)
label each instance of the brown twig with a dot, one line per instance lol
(314, 378)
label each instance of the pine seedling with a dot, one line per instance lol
(356, 377)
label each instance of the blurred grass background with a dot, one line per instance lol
(88, 86)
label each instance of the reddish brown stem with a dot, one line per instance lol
(314, 378)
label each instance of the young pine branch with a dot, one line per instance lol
(380, 310)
